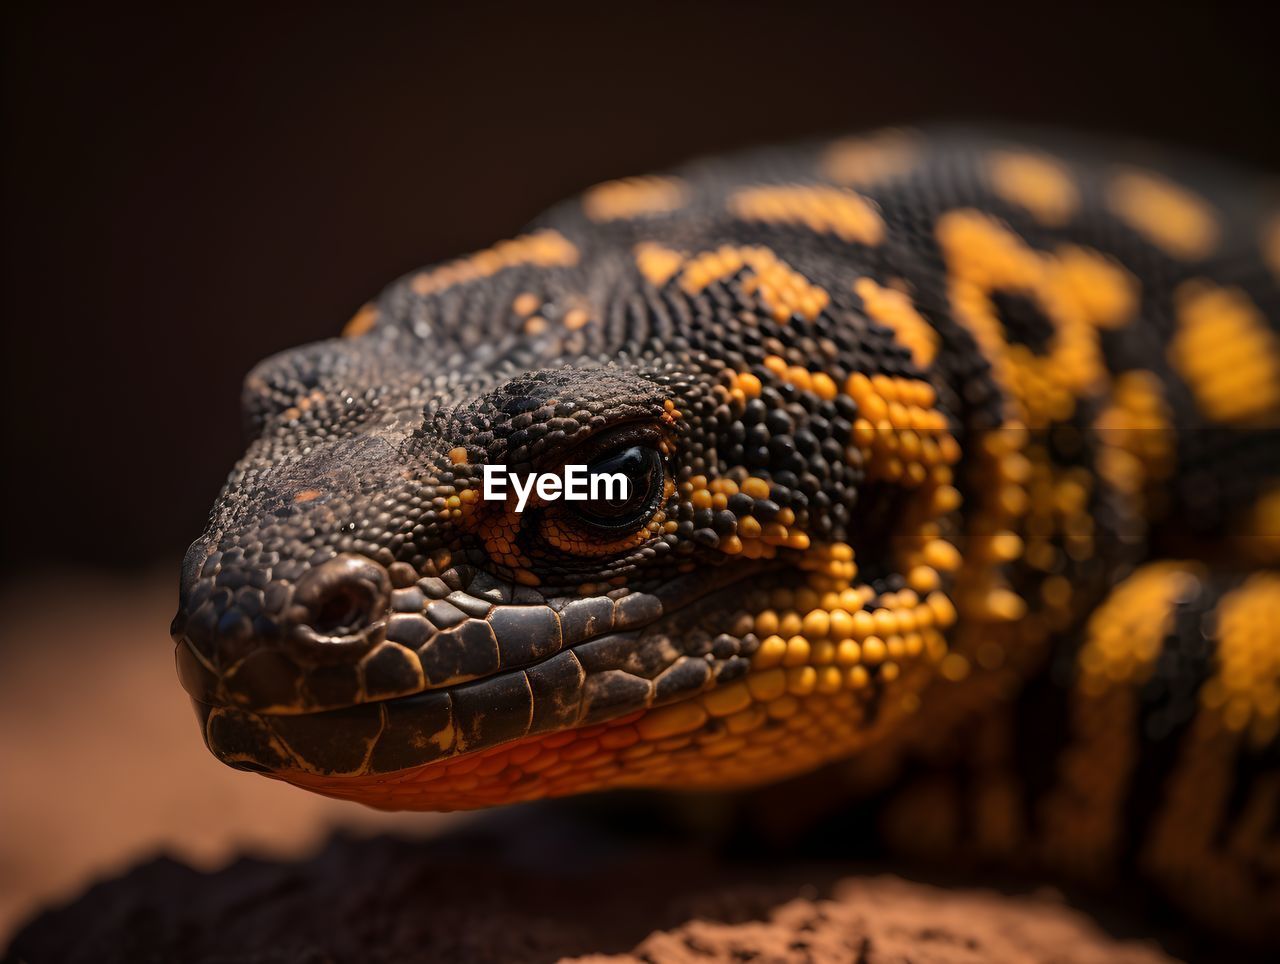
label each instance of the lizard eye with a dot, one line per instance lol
(623, 507)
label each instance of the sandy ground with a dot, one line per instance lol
(124, 840)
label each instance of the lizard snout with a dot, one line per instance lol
(251, 626)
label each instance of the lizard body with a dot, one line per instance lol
(939, 441)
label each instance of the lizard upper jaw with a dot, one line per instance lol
(664, 655)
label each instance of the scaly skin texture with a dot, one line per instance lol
(962, 449)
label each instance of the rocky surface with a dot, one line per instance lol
(534, 889)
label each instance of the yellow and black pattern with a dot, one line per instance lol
(950, 444)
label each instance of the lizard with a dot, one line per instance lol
(940, 443)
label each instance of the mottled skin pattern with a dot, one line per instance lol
(957, 454)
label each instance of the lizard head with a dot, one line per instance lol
(360, 620)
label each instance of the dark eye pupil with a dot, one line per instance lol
(642, 468)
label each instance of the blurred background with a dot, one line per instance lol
(187, 191)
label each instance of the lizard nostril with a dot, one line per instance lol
(338, 601)
(343, 609)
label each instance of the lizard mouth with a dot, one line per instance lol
(659, 652)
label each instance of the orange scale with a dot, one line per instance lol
(606, 763)
(619, 738)
(541, 762)
(494, 764)
(580, 750)
(426, 774)
(524, 752)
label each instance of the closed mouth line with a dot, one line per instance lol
(674, 599)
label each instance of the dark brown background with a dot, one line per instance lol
(186, 191)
